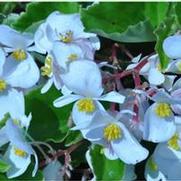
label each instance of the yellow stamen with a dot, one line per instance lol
(19, 152)
(173, 142)
(19, 55)
(163, 110)
(72, 57)
(3, 85)
(46, 70)
(86, 105)
(112, 132)
(67, 37)
(152, 165)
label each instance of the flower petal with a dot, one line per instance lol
(132, 151)
(47, 86)
(18, 164)
(14, 39)
(2, 58)
(87, 82)
(12, 102)
(62, 53)
(113, 96)
(157, 129)
(24, 75)
(66, 99)
(155, 77)
(171, 46)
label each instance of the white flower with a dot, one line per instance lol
(159, 120)
(19, 68)
(84, 80)
(68, 29)
(116, 139)
(18, 154)
(151, 70)
(165, 163)
(171, 48)
(53, 171)
(13, 102)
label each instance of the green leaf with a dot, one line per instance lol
(156, 11)
(125, 21)
(26, 176)
(103, 168)
(164, 30)
(10, 19)
(48, 123)
(118, 22)
(73, 137)
(4, 167)
(37, 11)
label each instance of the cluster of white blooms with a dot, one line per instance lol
(151, 113)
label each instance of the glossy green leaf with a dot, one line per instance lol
(103, 168)
(156, 11)
(37, 11)
(163, 31)
(48, 122)
(4, 167)
(73, 137)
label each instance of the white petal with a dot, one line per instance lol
(157, 129)
(177, 85)
(152, 175)
(132, 151)
(62, 51)
(83, 119)
(12, 102)
(137, 58)
(65, 90)
(2, 60)
(171, 46)
(168, 162)
(18, 164)
(66, 99)
(47, 86)
(84, 78)
(3, 136)
(16, 137)
(14, 39)
(53, 171)
(110, 154)
(168, 83)
(113, 96)
(36, 164)
(25, 75)
(155, 77)
(42, 43)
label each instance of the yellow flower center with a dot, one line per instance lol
(67, 37)
(72, 57)
(3, 85)
(173, 142)
(112, 132)
(19, 152)
(47, 69)
(19, 55)
(152, 165)
(86, 105)
(163, 110)
(179, 66)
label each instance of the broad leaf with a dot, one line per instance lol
(162, 32)
(4, 167)
(37, 11)
(103, 168)
(48, 122)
